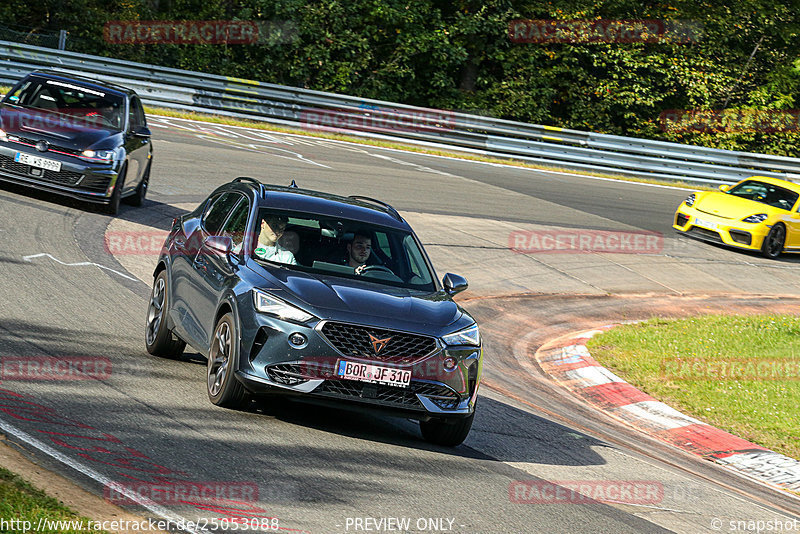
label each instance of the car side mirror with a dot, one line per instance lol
(142, 131)
(724, 187)
(454, 283)
(219, 245)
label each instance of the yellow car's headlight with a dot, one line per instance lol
(758, 218)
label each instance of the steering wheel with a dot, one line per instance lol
(367, 268)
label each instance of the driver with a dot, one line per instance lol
(268, 248)
(359, 250)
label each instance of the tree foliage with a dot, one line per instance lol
(458, 55)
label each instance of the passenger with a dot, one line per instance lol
(272, 228)
(290, 240)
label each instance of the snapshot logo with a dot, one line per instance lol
(550, 31)
(50, 368)
(227, 32)
(180, 492)
(730, 120)
(585, 491)
(371, 118)
(585, 241)
(737, 369)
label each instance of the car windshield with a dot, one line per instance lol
(765, 193)
(72, 104)
(342, 247)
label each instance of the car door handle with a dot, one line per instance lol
(180, 242)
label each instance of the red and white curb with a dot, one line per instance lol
(568, 361)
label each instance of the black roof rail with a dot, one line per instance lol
(262, 190)
(391, 210)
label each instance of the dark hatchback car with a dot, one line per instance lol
(76, 137)
(327, 298)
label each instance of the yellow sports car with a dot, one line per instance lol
(758, 213)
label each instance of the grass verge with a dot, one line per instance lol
(21, 502)
(738, 373)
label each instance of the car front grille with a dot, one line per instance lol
(61, 177)
(355, 340)
(707, 235)
(392, 396)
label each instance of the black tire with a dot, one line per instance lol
(223, 388)
(141, 190)
(112, 208)
(157, 337)
(773, 243)
(447, 432)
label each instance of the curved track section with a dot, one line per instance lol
(147, 421)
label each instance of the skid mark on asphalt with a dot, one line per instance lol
(30, 259)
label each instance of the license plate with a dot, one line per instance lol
(375, 374)
(36, 161)
(705, 224)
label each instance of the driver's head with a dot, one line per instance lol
(359, 249)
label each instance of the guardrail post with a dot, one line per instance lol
(62, 39)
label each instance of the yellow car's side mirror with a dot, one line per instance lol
(724, 187)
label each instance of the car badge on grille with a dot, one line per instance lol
(42, 146)
(378, 344)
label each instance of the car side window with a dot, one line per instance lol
(218, 212)
(236, 225)
(136, 115)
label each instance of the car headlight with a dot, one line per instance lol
(274, 306)
(3, 135)
(98, 155)
(761, 217)
(690, 200)
(468, 336)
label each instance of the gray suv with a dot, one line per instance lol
(333, 299)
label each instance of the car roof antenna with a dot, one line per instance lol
(293, 185)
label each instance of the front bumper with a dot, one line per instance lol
(76, 179)
(729, 232)
(269, 363)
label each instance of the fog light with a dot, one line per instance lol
(298, 340)
(450, 363)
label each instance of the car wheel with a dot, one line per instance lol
(141, 190)
(773, 243)
(112, 208)
(223, 387)
(448, 432)
(158, 338)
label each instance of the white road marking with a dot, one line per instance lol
(145, 502)
(77, 264)
(439, 146)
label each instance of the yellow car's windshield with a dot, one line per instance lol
(765, 193)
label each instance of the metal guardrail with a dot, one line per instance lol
(557, 147)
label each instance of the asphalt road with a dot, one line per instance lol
(319, 469)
